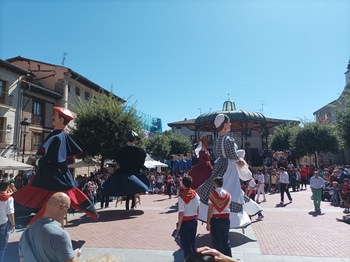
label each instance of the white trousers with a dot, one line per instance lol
(260, 190)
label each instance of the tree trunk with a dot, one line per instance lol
(316, 164)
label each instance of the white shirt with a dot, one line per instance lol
(261, 179)
(191, 208)
(6, 208)
(226, 210)
(284, 177)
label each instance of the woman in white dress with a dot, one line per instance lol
(231, 166)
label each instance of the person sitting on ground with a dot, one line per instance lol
(45, 240)
(345, 219)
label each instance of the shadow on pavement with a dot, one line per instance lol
(238, 239)
(160, 200)
(106, 216)
(315, 214)
(171, 210)
(178, 256)
(282, 205)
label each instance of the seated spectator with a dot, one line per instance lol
(334, 192)
(345, 219)
(345, 192)
(11, 189)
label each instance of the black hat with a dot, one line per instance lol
(282, 168)
(131, 136)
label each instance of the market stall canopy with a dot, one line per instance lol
(84, 163)
(8, 164)
(150, 161)
(148, 165)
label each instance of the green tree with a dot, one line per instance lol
(342, 113)
(158, 146)
(282, 136)
(179, 144)
(101, 125)
(316, 138)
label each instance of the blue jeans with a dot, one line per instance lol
(219, 230)
(188, 233)
(4, 236)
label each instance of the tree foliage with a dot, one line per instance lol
(179, 144)
(161, 146)
(158, 146)
(342, 112)
(282, 137)
(101, 125)
(315, 138)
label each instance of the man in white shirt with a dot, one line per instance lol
(316, 185)
(284, 184)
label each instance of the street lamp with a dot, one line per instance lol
(24, 130)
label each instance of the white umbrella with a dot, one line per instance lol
(84, 164)
(156, 163)
(148, 165)
(8, 164)
(151, 161)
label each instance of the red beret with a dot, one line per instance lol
(64, 112)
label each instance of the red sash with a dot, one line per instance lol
(219, 202)
(4, 196)
(187, 195)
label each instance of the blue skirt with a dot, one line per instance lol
(126, 185)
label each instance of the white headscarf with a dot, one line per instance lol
(198, 148)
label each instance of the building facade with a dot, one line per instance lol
(325, 115)
(249, 129)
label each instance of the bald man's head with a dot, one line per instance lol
(57, 206)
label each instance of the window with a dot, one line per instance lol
(77, 91)
(3, 129)
(2, 91)
(37, 108)
(37, 141)
(37, 116)
(87, 95)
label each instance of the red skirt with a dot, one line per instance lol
(32, 199)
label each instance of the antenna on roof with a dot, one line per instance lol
(228, 96)
(262, 106)
(112, 87)
(64, 58)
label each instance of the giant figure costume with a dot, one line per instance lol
(241, 206)
(128, 179)
(202, 171)
(53, 176)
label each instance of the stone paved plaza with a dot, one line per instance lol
(287, 233)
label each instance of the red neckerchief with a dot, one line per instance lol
(219, 202)
(4, 196)
(187, 195)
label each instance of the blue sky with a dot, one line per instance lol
(177, 59)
